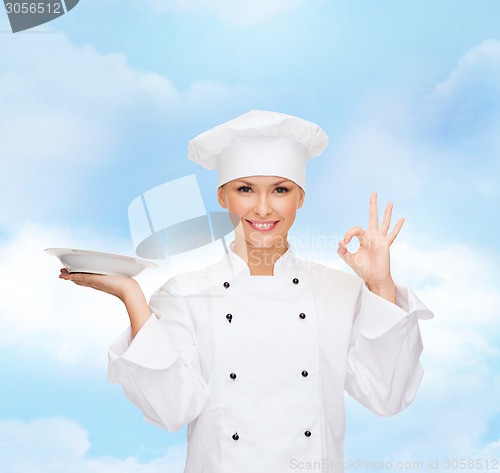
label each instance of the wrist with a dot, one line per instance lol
(381, 285)
(385, 289)
(136, 305)
(129, 291)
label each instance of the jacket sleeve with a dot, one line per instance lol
(159, 369)
(383, 367)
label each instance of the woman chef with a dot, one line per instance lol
(255, 351)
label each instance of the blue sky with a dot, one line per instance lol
(97, 107)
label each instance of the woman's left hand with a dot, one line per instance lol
(372, 260)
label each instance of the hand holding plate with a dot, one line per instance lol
(118, 286)
(125, 288)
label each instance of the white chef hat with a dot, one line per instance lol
(259, 143)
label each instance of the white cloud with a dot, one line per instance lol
(458, 397)
(69, 325)
(61, 112)
(465, 107)
(491, 452)
(59, 445)
(437, 157)
(42, 440)
(441, 145)
(66, 110)
(475, 79)
(239, 12)
(44, 316)
(51, 71)
(73, 326)
(374, 153)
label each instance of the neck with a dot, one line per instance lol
(260, 261)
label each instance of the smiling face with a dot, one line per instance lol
(266, 207)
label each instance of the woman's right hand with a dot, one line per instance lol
(118, 286)
(125, 288)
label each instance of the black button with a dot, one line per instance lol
(302, 315)
(304, 373)
(232, 375)
(229, 317)
(306, 433)
(295, 280)
(226, 284)
(236, 436)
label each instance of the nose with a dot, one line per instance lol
(263, 205)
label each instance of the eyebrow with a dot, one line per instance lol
(275, 184)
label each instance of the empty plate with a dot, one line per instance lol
(84, 261)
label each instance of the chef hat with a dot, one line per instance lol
(259, 143)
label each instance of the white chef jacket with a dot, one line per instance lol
(257, 365)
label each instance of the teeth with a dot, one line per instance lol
(262, 225)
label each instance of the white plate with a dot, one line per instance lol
(84, 261)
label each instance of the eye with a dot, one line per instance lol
(281, 190)
(244, 189)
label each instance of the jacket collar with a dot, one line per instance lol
(238, 265)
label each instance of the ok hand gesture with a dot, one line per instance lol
(372, 260)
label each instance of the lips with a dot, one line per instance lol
(262, 226)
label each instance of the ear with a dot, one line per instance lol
(221, 197)
(301, 198)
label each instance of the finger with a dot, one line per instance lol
(373, 213)
(83, 279)
(64, 273)
(386, 222)
(392, 236)
(354, 260)
(356, 231)
(344, 253)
